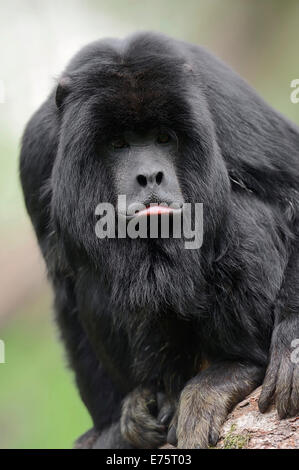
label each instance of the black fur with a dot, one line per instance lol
(148, 312)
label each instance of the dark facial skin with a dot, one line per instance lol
(144, 167)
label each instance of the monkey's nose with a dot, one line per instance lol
(145, 179)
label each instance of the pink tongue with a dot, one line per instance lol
(155, 210)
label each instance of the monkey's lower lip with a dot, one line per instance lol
(156, 210)
(152, 210)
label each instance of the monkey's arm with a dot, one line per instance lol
(281, 383)
(206, 401)
(100, 395)
(123, 418)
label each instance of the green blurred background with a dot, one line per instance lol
(39, 405)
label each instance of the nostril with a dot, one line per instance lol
(159, 177)
(142, 180)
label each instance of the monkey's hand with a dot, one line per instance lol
(144, 419)
(281, 383)
(206, 401)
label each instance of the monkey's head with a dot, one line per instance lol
(134, 122)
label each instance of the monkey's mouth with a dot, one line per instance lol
(152, 209)
(157, 209)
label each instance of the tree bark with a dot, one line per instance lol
(247, 428)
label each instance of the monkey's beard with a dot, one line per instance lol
(150, 276)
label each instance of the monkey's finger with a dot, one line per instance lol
(268, 389)
(214, 431)
(196, 436)
(171, 436)
(294, 399)
(284, 388)
(217, 418)
(213, 437)
(165, 409)
(166, 413)
(172, 431)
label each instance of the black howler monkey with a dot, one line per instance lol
(161, 120)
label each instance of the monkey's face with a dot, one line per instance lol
(143, 167)
(139, 129)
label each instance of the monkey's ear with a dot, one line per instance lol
(62, 90)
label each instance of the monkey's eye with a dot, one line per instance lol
(119, 143)
(163, 138)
